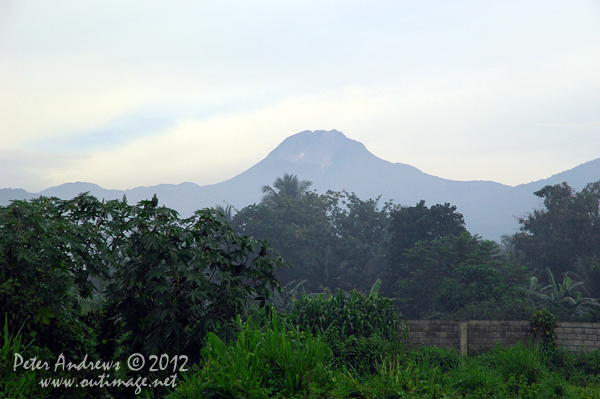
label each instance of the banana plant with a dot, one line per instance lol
(560, 295)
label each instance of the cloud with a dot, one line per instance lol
(115, 134)
(132, 93)
(212, 149)
(32, 170)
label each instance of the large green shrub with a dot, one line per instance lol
(106, 279)
(175, 280)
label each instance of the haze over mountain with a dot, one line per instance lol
(332, 161)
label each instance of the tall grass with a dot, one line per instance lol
(520, 362)
(273, 360)
(19, 383)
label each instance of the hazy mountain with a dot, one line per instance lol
(332, 161)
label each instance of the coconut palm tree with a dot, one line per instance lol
(288, 185)
(226, 211)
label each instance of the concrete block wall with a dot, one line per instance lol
(443, 333)
(578, 336)
(485, 334)
(473, 336)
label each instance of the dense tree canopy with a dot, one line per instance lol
(332, 240)
(446, 275)
(410, 225)
(565, 236)
(567, 230)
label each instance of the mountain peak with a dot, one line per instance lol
(319, 147)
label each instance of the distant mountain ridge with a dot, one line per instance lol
(332, 161)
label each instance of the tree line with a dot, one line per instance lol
(426, 258)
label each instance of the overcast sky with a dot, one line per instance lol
(131, 93)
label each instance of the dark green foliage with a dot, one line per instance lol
(577, 367)
(512, 305)
(51, 259)
(473, 283)
(432, 356)
(175, 280)
(106, 279)
(519, 362)
(332, 241)
(352, 314)
(543, 324)
(15, 384)
(51, 253)
(562, 243)
(451, 274)
(565, 236)
(361, 225)
(298, 229)
(410, 225)
(565, 299)
(360, 329)
(263, 362)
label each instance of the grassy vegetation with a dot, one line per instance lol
(274, 358)
(424, 373)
